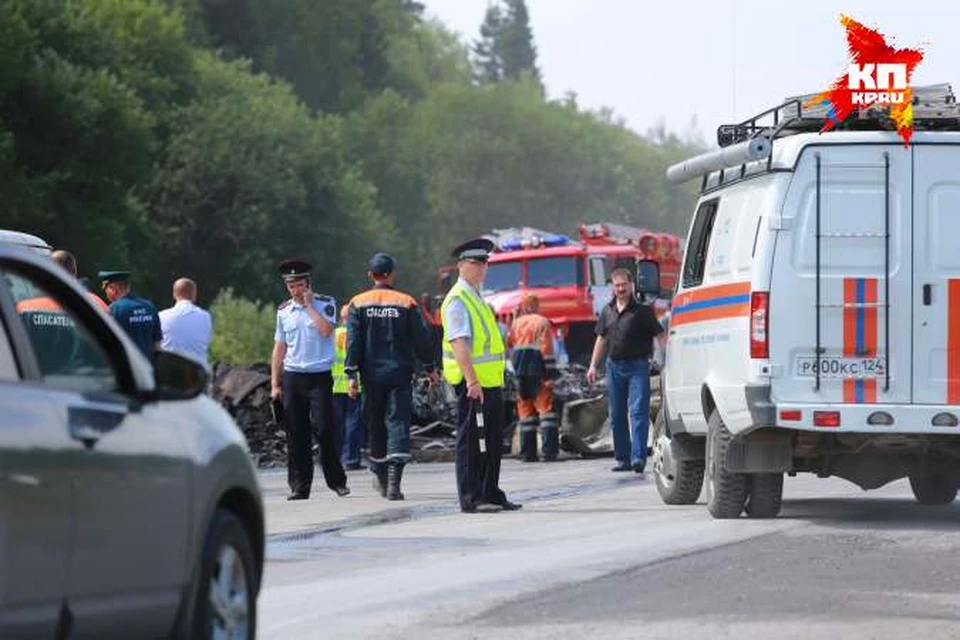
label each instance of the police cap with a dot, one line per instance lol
(478, 249)
(382, 264)
(294, 269)
(106, 277)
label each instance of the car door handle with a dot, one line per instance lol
(927, 295)
(85, 434)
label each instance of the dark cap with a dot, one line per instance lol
(382, 264)
(295, 269)
(113, 276)
(478, 249)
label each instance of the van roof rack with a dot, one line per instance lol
(934, 109)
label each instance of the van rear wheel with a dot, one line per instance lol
(678, 481)
(765, 495)
(933, 488)
(726, 491)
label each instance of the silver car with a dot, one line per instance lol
(129, 507)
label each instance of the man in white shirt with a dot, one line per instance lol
(187, 329)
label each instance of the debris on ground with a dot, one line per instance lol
(244, 391)
(585, 428)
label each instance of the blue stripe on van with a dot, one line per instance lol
(707, 304)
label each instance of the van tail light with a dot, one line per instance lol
(826, 418)
(759, 325)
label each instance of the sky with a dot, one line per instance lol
(695, 65)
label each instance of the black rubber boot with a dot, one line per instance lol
(528, 438)
(528, 446)
(551, 443)
(394, 476)
(379, 478)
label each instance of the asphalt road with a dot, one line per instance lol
(595, 554)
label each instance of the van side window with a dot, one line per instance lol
(696, 258)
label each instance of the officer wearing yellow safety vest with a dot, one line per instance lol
(474, 362)
(346, 410)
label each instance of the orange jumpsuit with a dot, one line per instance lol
(531, 340)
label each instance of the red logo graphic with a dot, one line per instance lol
(878, 76)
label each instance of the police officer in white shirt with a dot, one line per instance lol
(187, 329)
(303, 354)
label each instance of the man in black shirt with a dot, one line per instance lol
(625, 333)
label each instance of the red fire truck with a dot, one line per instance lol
(570, 278)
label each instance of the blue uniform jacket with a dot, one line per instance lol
(386, 336)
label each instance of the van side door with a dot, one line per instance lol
(684, 375)
(936, 274)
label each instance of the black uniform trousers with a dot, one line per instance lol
(387, 411)
(308, 409)
(478, 474)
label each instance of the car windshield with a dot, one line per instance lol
(503, 276)
(562, 271)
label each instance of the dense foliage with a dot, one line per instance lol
(211, 138)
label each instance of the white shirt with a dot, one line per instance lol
(187, 330)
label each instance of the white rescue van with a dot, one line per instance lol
(816, 327)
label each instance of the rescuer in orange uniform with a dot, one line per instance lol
(531, 342)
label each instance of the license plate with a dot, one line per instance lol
(841, 367)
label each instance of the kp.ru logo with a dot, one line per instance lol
(878, 76)
(877, 83)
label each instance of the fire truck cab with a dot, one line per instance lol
(571, 279)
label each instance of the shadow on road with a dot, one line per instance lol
(893, 514)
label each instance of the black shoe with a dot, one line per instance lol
(621, 466)
(506, 505)
(638, 467)
(394, 478)
(298, 495)
(482, 507)
(549, 458)
(529, 460)
(342, 491)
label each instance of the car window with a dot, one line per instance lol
(67, 354)
(21, 288)
(8, 366)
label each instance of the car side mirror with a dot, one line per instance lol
(177, 377)
(648, 277)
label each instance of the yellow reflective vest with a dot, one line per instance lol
(341, 383)
(486, 344)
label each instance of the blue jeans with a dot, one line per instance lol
(628, 384)
(346, 414)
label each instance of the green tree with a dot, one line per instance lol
(82, 93)
(249, 178)
(334, 53)
(243, 329)
(517, 49)
(467, 159)
(486, 50)
(506, 49)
